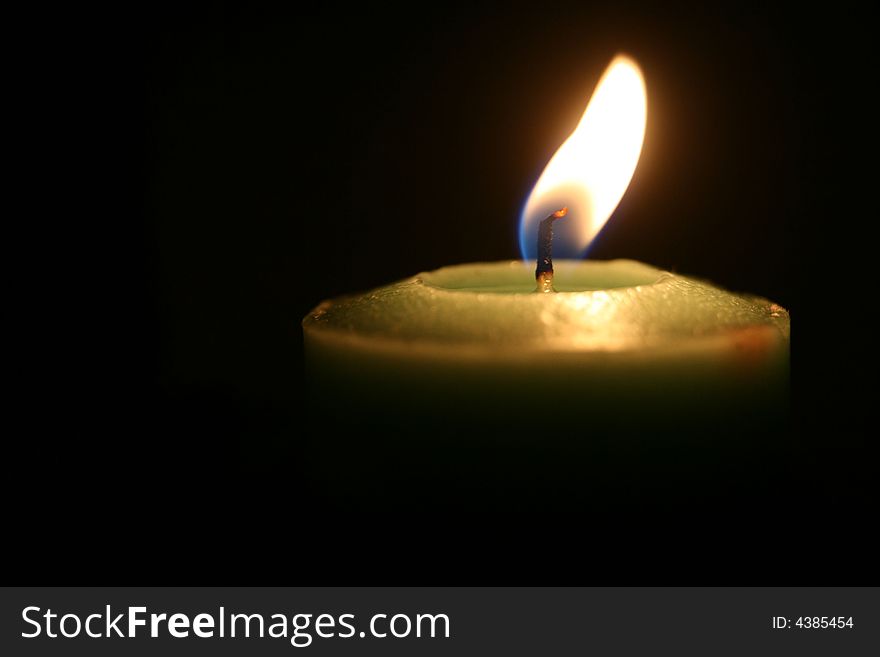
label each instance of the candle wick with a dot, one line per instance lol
(544, 270)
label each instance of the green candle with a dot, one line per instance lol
(465, 376)
(465, 330)
(463, 386)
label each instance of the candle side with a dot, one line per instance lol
(464, 378)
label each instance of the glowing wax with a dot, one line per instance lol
(606, 315)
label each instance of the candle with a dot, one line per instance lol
(468, 367)
(614, 331)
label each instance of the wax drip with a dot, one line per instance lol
(544, 270)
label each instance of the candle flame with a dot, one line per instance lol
(590, 172)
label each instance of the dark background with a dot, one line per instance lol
(261, 158)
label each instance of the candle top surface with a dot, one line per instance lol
(605, 306)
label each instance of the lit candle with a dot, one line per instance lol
(618, 347)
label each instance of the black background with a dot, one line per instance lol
(262, 158)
